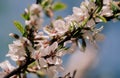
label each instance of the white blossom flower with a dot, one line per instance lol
(26, 10)
(80, 14)
(52, 71)
(49, 60)
(78, 11)
(41, 40)
(7, 68)
(107, 2)
(90, 23)
(35, 9)
(34, 21)
(60, 26)
(50, 31)
(106, 11)
(17, 49)
(69, 19)
(36, 15)
(41, 36)
(49, 54)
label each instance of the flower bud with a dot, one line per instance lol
(14, 35)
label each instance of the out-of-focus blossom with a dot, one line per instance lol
(53, 71)
(81, 61)
(6, 67)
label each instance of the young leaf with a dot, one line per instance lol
(102, 18)
(117, 16)
(99, 3)
(59, 6)
(115, 8)
(26, 16)
(76, 34)
(84, 22)
(46, 3)
(19, 26)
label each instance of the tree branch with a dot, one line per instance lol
(18, 70)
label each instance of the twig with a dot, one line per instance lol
(18, 70)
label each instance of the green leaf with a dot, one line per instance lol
(40, 74)
(98, 9)
(84, 22)
(59, 17)
(115, 8)
(19, 26)
(117, 16)
(45, 3)
(99, 3)
(58, 6)
(102, 18)
(76, 34)
(26, 16)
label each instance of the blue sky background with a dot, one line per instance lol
(109, 49)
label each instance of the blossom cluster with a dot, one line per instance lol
(63, 36)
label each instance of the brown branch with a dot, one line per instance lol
(18, 70)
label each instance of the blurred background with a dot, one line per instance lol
(107, 59)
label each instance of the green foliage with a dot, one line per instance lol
(85, 22)
(102, 18)
(26, 16)
(19, 26)
(76, 34)
(99, 3)
(117, 16)
(115, 8)
(58, 6)
(40, 74)
(59, 17)
(45, 3)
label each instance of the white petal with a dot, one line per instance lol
(53, 47)
(43, 62)
(6, 66)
